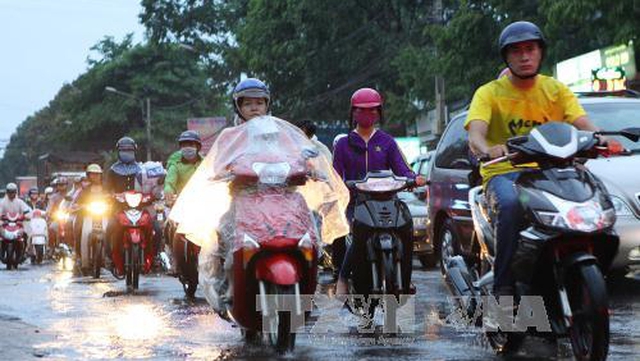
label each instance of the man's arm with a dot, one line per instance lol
(478, 140)
(584, 123)
(171, 182)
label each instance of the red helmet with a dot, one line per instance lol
(366, 98)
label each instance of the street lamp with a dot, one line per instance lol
(147, 100)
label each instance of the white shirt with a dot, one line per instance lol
(16, 205)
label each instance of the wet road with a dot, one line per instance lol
(82, 318)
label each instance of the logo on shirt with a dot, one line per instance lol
(516, 126)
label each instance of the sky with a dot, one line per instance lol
(45, 43)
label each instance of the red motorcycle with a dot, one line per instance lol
(275, 245)
(13, 240)
(137, 228)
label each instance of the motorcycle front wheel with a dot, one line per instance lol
(10, 256)
(589, 332)
(190, 280)
(39, 253)
(96, 253)
(136, 256)
(281, 336)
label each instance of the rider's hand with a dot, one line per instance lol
(420, 181)
(497, 151)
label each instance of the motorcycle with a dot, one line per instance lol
(39, 237)
(566, 247)
(93, 237)
(136, 240)
(13, 240)
(276, 245)
(159, 234)
(61, 252)
(187, 261)
(382, 232)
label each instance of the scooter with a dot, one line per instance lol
(13, 240)
(275, 248)
(93, 236)
(39, 237)
(564, 250)
(136, 240)
(382, 232)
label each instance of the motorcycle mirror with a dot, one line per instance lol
(632, 134)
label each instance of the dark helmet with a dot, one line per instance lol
(251, 88)
(190, 136)
(518, 32)
(126, 143)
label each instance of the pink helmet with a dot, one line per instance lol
(366, 98)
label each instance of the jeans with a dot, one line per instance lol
(508, 218)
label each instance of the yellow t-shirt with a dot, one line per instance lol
(510, 112)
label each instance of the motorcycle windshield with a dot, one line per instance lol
(256, 162)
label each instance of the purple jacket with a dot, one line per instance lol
(353, 158)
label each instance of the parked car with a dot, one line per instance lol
(422, 246)
(450, 226)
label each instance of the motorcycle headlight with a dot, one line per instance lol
(61, 215)
(272, 173)
(133, 199)
(584, 217)
(621, 207)
(97, 208)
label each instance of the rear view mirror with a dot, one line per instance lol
(632, 134)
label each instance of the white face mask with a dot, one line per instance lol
(127, 156)
(189, 153)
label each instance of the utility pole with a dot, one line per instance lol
(441, 113)
(148, 128)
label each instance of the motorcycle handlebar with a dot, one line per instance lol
(504, 158)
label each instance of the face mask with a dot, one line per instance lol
(189, 153)
(127, 156)
(365, 119)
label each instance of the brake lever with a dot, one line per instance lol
(501, 159)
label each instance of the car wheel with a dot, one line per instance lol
(448, 243)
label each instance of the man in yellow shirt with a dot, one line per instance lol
(509, 106)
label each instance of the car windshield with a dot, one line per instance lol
(616, 116)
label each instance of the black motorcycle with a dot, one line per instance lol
(382, 236)
(566, 247)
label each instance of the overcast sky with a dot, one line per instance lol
(45, 43)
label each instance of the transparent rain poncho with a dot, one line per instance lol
(259, 161)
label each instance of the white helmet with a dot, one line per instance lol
(11, 187)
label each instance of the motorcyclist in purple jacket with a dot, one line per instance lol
(365, 149)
